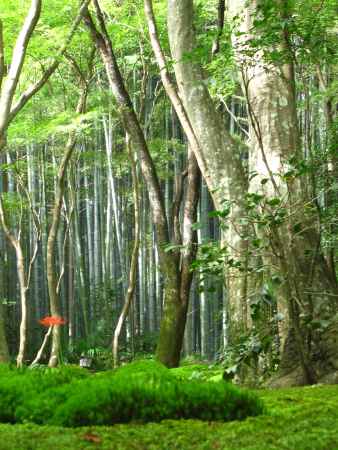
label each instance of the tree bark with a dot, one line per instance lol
(23, 282)
(4, 354)
(173, 320)
(308, 288)
(18, 57)
(53, 230)
(219, 155)
(133, 263)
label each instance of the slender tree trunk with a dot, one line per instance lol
(80, 268)
(53, 231)
(4, 354)
(23, 301)
(134, 256)
(8, 85)
(42, 348)
(18, 57)
(23, 283)
(114, 197)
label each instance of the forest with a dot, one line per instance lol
(168, 224)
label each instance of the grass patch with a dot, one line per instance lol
(296, 419)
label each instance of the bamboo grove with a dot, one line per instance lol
(168, 184)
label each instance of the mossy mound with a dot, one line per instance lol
(17, 386)
(143, 391)
(295, 419)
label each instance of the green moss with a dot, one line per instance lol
(297, 419)
(203, 372)
(19, 386)
(142, 391)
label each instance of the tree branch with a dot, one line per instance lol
(18, 58)
(28, 94)
(169, 86)
(2, 55)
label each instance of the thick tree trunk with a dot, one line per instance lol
(307, 289)
(218, 155)
(175, 310)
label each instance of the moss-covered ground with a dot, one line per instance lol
(298, 419)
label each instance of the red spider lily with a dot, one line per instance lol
(49, 321)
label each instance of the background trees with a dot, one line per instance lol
(259, 116)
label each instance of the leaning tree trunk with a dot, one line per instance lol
(8, 85)
(307, 289)
(173, 320)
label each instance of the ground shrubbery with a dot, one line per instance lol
(144, 391)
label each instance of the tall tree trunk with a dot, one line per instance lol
(177, 311)
(307, 289)
(53, 231)
(80, 269)
(218, 155)
(173, 321)
(133, 263)
(23, 282)
(4, 354)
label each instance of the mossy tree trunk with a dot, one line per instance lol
(175, 299)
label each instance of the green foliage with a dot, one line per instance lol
(143, 391)
(253, 357)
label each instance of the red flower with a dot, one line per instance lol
(49, 321)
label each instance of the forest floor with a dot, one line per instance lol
(295, 419)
